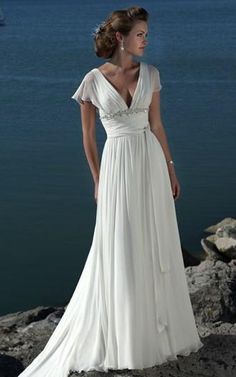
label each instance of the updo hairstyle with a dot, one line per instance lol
(105, 42)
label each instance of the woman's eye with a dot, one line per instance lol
(140, 35)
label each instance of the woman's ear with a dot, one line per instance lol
(119, 36)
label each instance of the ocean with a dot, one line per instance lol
(47, 205)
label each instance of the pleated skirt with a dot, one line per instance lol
(131, 307)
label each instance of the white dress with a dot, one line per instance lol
(131, 307)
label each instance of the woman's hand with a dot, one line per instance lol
(96, 190)
(175, 186)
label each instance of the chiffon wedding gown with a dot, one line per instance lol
(131, 307)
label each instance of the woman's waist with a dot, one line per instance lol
(126, 130)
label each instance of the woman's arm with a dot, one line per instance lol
(157, 128)
(88, 119)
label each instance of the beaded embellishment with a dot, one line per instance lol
(124, 112)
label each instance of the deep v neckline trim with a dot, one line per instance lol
(116, 92)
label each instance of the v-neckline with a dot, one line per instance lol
(116, 91)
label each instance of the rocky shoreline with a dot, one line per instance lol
(212, 287)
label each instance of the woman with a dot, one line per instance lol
(131, 307)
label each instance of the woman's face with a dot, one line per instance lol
(136, 41)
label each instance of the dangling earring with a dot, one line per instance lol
(122, 45)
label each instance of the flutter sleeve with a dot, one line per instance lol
(85, 91)
(156, 83)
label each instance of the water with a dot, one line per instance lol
(46, 191)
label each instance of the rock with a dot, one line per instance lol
(212, 287)
(27, 317)
(55, 316)
(212, 253)
(24, 334)
(222, 244)
(226, 221)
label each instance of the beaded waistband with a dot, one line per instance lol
(124, 112)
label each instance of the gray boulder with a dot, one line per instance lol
(221, 244)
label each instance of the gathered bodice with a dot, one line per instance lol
(116, 117)
(129, 122)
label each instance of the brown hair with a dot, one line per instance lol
(105, 42)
